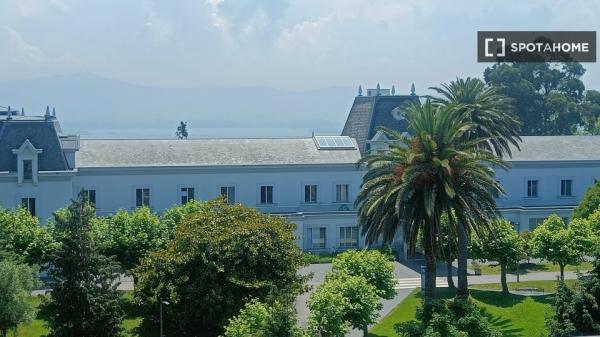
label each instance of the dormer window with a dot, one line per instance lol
(27, 163)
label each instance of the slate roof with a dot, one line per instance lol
(208, 152)
(370, 112)
(42, 135)
(557, 148)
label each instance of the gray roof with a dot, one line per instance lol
(546, 148)
(370, 112)
(208, 152)
(42, 135)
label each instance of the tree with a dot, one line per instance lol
(547, 98)
(16, 283)
(22, 236)
(359, 307)
(370, 264)
(129, 236)
(257, 319)
(589, 203)
(500, 243)
(219, 257)
(182, 130)
(448, 247)
(176, 214)
(495, 124)
(555, 242)
(425, 175)
(84, 300)
(327, 310)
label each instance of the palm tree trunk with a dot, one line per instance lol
(449, 275)
(463, 283)
(430, 265)
(503, 278)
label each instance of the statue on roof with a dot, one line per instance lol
(412, 89)
(393, 90)
(182, 131)
(378, 89)
(360, 90)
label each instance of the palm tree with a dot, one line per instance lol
(423, 176)
(491, 113)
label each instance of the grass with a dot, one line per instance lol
(132, 324)
(514, 315)
(489, 269)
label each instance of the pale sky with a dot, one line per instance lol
(287, 44)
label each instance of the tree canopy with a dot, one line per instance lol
(374, 266)
(220, 256)
(17, 280)
(22, 236)
(589, 203)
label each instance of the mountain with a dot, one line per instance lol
(94, 106)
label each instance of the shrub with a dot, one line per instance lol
(16, 283)
(448, 318)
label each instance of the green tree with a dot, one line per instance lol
(495, 124)
(327, 312)
(16, 283)
(22, 236)
(176, 214)
(129, 236)
(501, 243)
(370, 264)
(589, 202)
(219, 257)
(425, 175)
(257, 319)
(84, 301)
(361, 304)
(547, 98)
(555, 242)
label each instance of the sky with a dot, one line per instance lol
(285, 44)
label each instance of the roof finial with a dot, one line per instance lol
(359, 90)
(412, 89)
(9, 114)
(22, 111)
(393, 90)
(47, 110)
(378, 89)
(53, 112)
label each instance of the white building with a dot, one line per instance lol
(312, 181)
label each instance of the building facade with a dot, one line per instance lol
(312, 181)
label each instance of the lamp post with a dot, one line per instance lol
(161, 316)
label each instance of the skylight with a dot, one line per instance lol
(334, 142)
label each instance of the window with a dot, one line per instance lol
(142, 197)
(266, 194)
(27, 170)
(566, 188)
(317, 237)
(310, 194)
(186, 194)
(532, 188)
(348, 237)
(29, 205)
(89, 196)
(341, 193)
(534, 222)
(228, 192)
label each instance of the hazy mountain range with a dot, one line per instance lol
(98, 107)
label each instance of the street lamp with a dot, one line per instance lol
(161, 316)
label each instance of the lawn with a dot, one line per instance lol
(514, 315)
(131, 323)
(488, 269)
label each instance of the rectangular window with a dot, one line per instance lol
(566, 187)
(532, 188)
(90, 196)
(29, 205)
(228, 192)
(142, 197)
(310, 194)
(27, 170)
(341, 193)
(534, 222)
(266, 194)
(186, 194)
(318, 237)
(348, 237)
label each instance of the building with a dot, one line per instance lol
(312, 181)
